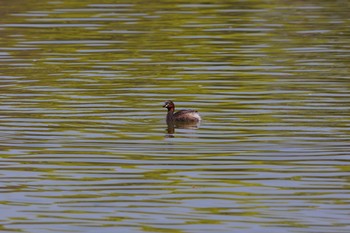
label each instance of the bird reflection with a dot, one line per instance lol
(180, 125)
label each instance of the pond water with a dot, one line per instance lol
(84, 146)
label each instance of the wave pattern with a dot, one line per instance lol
(83, 142)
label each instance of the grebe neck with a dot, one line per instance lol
(170, 115)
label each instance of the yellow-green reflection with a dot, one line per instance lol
(84, 146)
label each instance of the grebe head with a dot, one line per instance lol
(169, 105)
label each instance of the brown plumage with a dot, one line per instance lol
(182, 115)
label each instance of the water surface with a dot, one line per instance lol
(84, 145)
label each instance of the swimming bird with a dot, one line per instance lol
(188, 115)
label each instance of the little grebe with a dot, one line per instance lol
(180, 116)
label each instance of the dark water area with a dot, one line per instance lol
(84, 146)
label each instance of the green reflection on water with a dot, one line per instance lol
(160, 229)
(82, 123)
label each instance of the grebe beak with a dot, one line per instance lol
(165, 105)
